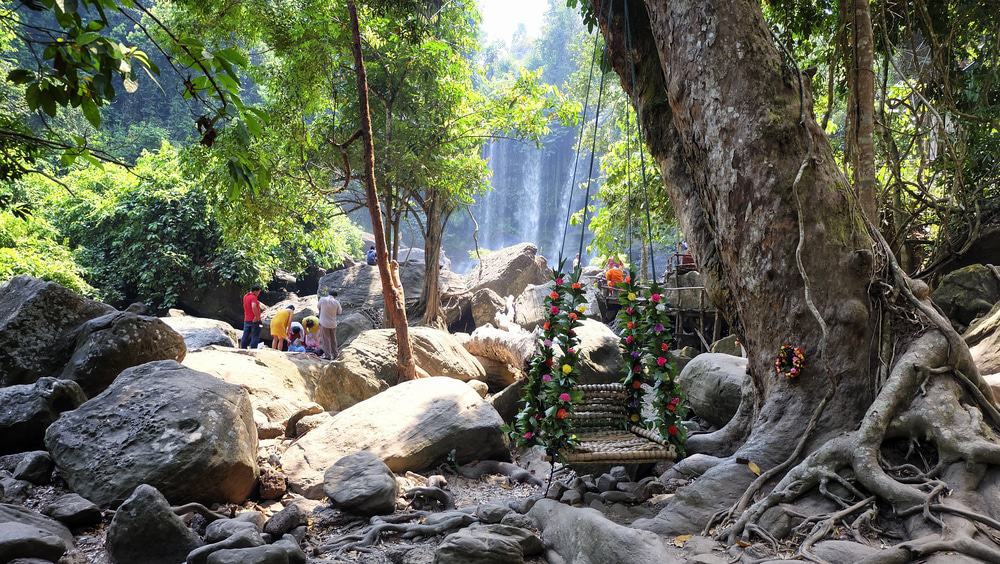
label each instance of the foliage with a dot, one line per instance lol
(550, 393)
(633, 336)
(669, 407)
(30, 245)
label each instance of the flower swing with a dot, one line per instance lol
(602, 423)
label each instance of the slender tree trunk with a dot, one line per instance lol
(392, 291)
(860, 57)
(433, 236)
(776, 223)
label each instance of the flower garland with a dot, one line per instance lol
(550, 390)
(632, 339)
(790, 361)
(668, 400)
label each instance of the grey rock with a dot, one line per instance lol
(843, 551)
(524, 505)
(419, 555)
(36, 319)
(13, 490)
(967, 293)
(286, 520)
(570, 532)
(361, 483)
(184, 432)
(607, 483)
(711, 383)
(27, 534)
(35, 467)
(508, 271)
(556, 490)
(600, 357)
(107, 345)
(983, 338)
(246, 536)
(73, 510)
(222, 529)
(618, 497)
(572, 497)
(431, 418)
(310, 422)
(480, 387)
(144, 529)
(514, 519)
(619, 473)
(199, 332)
(507, 401)
(284, 551)
(485, 305)
(492, 512)
(29, 409)
(478, 546)
(728, 345)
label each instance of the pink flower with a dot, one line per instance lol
(637, 369)
(629, 339)
(554, 310)
(655, 298)
(629, 311)
(528, 435)
(661, 361)
(564, 397)
(571, 350)
(559, 281)
(547, 342)
(547, 378)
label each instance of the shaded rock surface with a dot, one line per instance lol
(144, 529)
(305, 306)
(600, 357)
(410, 427)
(488, 544)
(361, 483)
(984, 339)
(111, 343)
(73, 510)
(967, 293)
(711, 383)
(187, 433)
(484, 306)
(585, 536)
(373, 355)
(360, 284)
(529, 307)
(29, 409)
(36, 319)
(27, 534)
(509, 271)
(284, 387)
(199, 332)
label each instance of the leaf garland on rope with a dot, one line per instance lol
(550, 392)
(632, 339)
(668, 399)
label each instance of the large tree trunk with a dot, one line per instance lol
(392, 291)
(433, 237)
(860, 57)
(777, 224)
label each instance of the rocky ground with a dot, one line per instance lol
(129, 438)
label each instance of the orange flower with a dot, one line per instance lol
(630, 325)
(547, 326)
(572, 316)
(562, 414)
(576, 285)
(554, 295)
(636, 384)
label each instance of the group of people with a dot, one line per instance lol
(314, 334)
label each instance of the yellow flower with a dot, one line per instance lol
(635, 417)
(581, 308)
(631, 296)
(567, 369)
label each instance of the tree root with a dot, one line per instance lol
(199, 509)
(425, 496)
(431, 525)
(514, 473)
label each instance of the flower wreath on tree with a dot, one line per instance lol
(668, 400)
(790, 361)
(550, 391)
(632, 339)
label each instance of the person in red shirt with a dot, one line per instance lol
(251, 319)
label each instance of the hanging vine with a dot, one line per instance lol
(550, 392)
(668, 400)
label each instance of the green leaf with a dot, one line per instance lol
(91, 112)
(20, 76)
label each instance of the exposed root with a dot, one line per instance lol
(429, 526)
(426, 496)
(200, 509)
(514, 473)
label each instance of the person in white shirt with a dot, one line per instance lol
(329, 309)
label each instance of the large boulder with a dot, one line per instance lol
(199, 332)
(585, 536)
(29, 409)
(488, 544)
(113, 342)
(361, 483)
(984, 339)
(215, 299)
(360, 284)
(144, 529)
(485, 305)
(711, 383)
(509, 271)
(508, 347)
(188, 434)
(967, 293)
(25, 534)
(350, 325)
(411, 426)
(529, 307)
(285, 386)
(600, 357)
(36, 318)
(373, 355)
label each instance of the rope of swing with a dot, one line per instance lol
(579, 144)
(593, 147)
(642, 153)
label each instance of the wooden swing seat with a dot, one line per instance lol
(605, 435)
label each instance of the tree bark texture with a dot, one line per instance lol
(433, 237)
(859, 59)
(778, 226)
(392, 291)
